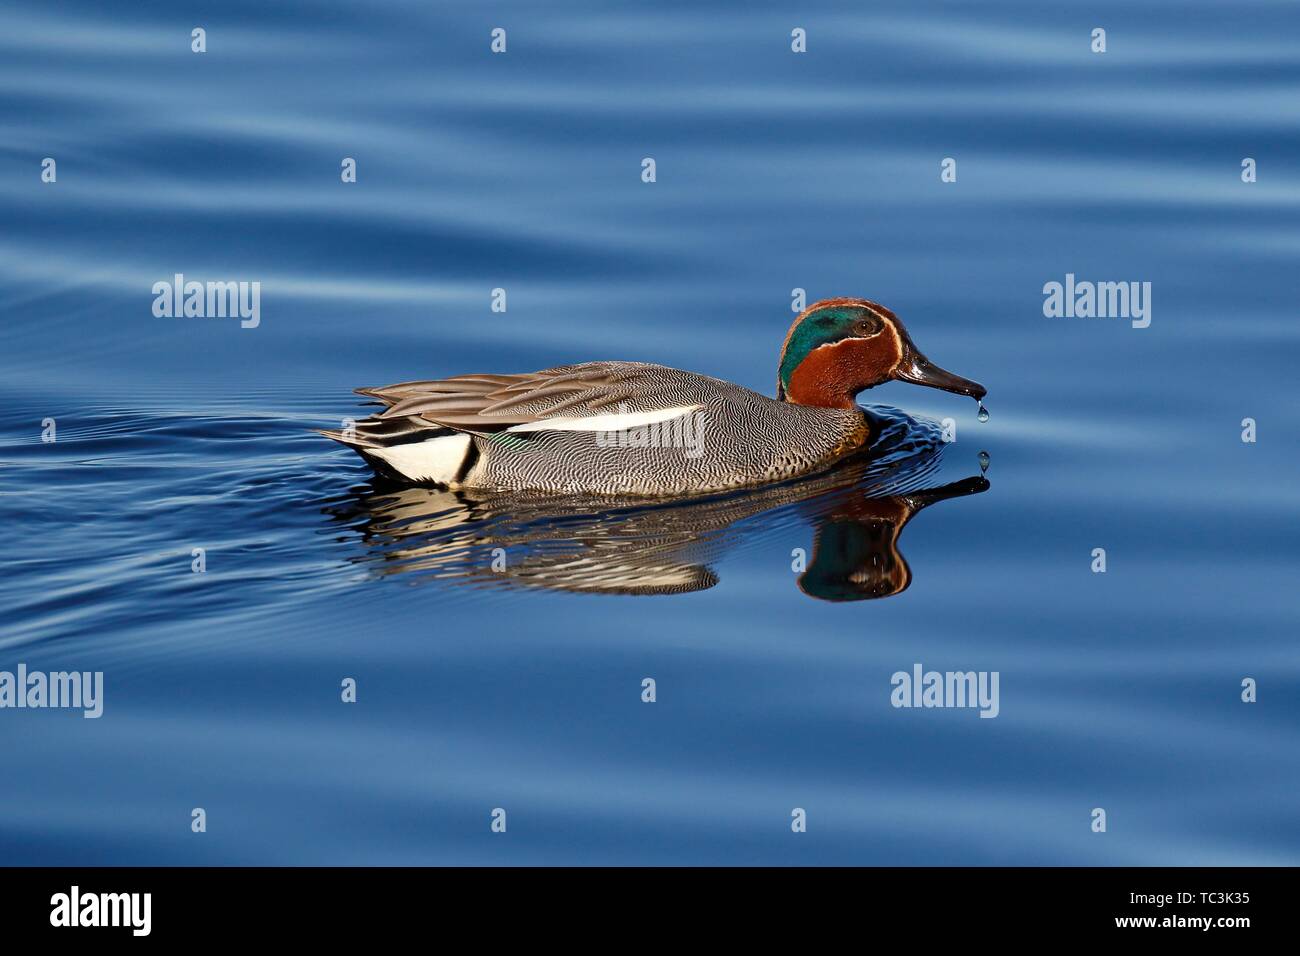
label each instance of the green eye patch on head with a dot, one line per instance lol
(823, 327)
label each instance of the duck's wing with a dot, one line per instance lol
(588, 397)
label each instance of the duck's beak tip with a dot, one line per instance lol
(921, 371)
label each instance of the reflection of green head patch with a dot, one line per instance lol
(822, 327)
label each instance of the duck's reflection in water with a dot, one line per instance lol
(600, 545)
(855, 545)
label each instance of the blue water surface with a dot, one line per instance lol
(522, 171)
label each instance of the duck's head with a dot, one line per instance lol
(838, 347)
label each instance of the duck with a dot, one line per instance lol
(635, 428)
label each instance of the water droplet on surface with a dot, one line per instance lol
(983, 413)
(984, 461)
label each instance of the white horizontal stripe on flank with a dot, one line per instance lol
(606, 423)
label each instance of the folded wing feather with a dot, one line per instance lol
(595, 396)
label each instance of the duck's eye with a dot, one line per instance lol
(866, 327)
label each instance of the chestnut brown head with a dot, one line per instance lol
(838, 347)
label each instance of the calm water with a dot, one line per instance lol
(774, 171)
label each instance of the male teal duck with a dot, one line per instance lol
(631, 428)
